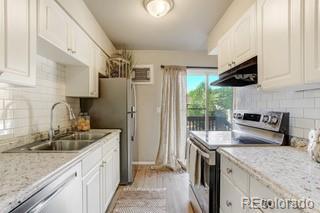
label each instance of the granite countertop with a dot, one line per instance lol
(23, 174)
(287, 171)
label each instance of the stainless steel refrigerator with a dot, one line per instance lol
(115, 109)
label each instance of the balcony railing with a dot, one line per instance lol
(197, 123)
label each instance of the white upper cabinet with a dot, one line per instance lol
(83, 81)
(61, 39)
(225, 53)
(18, 42)
(312, 42)
(54, 24)
(280, 50)
(245, 37)
(239, 43)
(81, 45)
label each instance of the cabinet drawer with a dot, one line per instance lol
(109, 145)
(237, 175)
(258, 190)
(91, 160)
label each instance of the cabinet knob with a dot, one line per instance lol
(233, 62)
(69, 49)
(73, 51)
(228, 203)
(229, 65)
(229, 171)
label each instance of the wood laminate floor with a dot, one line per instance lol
(176, 184)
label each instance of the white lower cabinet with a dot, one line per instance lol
(101, 182)
(230, 197)
(236, 184)
(116, 166)
(107, 186)
(91, 185)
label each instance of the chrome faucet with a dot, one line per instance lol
(71, 117)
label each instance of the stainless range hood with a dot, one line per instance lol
(242, 75)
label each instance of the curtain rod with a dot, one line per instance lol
(195, 67)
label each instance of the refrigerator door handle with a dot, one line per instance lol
(134, 128)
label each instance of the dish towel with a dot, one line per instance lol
(194, 165)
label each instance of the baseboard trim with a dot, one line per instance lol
(143, 162)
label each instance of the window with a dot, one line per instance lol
(208, 107)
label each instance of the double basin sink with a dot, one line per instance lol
(69, 143)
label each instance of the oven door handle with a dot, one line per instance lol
(204, 154)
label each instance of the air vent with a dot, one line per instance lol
(142, 74)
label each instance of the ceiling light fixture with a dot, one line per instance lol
(158, 8)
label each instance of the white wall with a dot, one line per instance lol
(149, 97)
(230, 17)
(303, 106)
(82, 15)
(25, 111)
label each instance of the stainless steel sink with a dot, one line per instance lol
(61, 145)
(69, 143)
(83, 136)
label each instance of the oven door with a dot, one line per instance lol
(205, 194)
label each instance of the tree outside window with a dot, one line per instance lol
(209, 107)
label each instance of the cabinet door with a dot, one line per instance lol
(54, 24)
(230, 197)
(81, 47)
(312, 41)
(224, 56)
(116, 167)
(107, 180)
(18, 41)
(245, 37)
(92, 191)
(280, 43)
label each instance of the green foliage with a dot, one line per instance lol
(219, 100)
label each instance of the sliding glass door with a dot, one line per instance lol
(209, 108)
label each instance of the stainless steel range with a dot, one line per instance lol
(248, 129)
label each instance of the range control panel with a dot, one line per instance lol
(263, 120)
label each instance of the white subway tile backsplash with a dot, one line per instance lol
(312, 113)
(303, 106)
(25, 111)
(304, 123)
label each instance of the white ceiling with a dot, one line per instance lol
(186, 27)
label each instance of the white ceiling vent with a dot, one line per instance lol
(142, 74)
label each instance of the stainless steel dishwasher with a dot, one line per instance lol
(63, 195)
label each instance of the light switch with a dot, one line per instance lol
(158, 109)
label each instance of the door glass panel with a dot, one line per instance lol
(220, 104)
(196, 102)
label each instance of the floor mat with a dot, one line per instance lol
(141, 200)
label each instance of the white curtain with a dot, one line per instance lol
(173, 117)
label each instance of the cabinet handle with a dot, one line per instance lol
(229, 171)
(228, 203)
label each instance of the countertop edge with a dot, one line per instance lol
(38, 185)
(276, 188)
